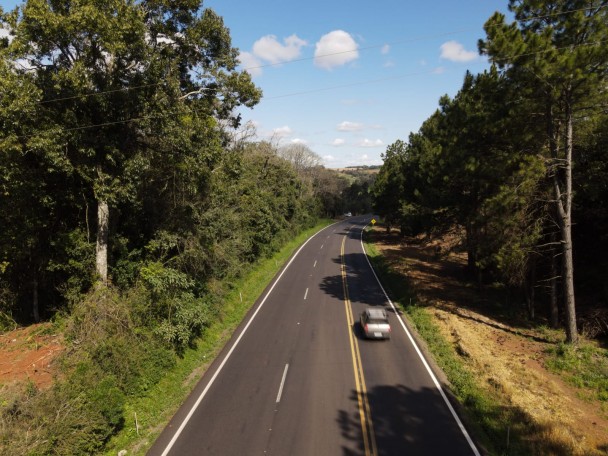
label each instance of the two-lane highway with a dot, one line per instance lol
(297, 378)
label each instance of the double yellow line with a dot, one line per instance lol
(367, 427)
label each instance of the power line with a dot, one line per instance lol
(421, 73)
(405, 41)
(303, 59)
(86, 95)
(337, 87)
(330, 88)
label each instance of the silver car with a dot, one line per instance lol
(374, 322)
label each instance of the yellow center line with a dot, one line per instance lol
(367, 428)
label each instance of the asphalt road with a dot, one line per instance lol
(299, 379)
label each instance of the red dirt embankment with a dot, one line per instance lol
(28, 354)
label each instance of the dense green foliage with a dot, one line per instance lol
(128, 204)
(136, 109)
(517, 155)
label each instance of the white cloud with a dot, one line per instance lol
(338, 142)
(250, 63)
(270, 50)
(438, 70)
(335, 49)
(455, 52)
(385, 49)
(350, 126)
(369, 143)
(329, 158)
(299, 141)
(389, 64)
(282, 132)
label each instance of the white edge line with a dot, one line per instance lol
(421, 356)
(282, 383)
(221, 366)
(305, 294)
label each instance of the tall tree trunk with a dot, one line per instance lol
(101, 251)
(472, 240)
(563, 199)
(35, 303)
(562, 175)
(568, 283)
(554, 309)
(530, 288)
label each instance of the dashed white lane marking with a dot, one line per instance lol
(282, 383)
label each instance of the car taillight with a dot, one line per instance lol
(366, 330)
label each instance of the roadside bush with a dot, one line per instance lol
(110, 358)
(107, 328)
(72, 265)
(76, 416)
(189, 318)
(136, 362)
(181, 314)
(85, 410)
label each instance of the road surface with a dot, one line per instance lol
(298, 378)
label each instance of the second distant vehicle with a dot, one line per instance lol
(347, 214)
(375, 325)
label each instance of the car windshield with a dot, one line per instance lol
(377, 320)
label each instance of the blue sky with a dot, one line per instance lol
(349, 77)
(349, 106)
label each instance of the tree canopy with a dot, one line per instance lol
(498, 160)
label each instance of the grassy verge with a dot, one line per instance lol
(585, 367)
(497, 426)
(146, 416)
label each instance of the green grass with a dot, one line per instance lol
(496, 425)
(585, 367)
(154, 410)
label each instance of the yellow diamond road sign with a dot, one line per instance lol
(373, 221)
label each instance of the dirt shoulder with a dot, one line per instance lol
(508, 357)
(27, 354)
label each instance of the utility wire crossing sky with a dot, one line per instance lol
(349, 78)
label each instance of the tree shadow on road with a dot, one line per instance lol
(418, 422)
(362, 286)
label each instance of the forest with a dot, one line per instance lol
(131, 197)
(516, 163)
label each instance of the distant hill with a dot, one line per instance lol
(360, 169)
